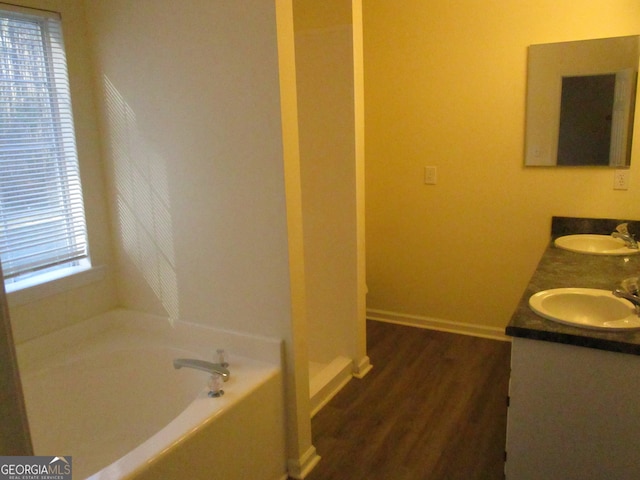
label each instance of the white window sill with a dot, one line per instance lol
(59, 281)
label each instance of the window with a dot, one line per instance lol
(42, 223)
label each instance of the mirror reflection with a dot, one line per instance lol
(581, 102)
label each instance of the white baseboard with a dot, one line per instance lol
(493, 333)
(328, 382)
(362, 367)
(299, 468)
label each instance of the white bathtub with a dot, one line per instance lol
(105, 392)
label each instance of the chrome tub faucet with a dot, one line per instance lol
(219, 373)
(209, 367)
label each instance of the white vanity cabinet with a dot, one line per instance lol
(574, 413)
(574, 407)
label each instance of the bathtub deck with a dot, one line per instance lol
(437, 413)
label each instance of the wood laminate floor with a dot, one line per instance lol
(433, 407)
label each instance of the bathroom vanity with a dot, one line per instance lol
(574, 393)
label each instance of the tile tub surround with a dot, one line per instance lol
(561, 268)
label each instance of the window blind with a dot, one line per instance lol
(42, 221)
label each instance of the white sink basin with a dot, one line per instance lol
(594, 244)
(585, 307)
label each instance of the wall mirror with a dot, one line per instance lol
(581, 102)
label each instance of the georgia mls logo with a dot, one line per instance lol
(35, 468)
(63, 465)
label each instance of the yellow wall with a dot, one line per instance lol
(313, 15)
(324, 78)
(445, 85)
(302, 455)
(329, 92)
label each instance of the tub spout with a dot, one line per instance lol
(212, 368)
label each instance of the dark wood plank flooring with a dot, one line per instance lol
(433, 407)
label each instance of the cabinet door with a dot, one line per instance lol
(574, 413)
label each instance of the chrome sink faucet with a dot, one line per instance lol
(622, 232)
(630, 291)
(209, 367)
(633, 298)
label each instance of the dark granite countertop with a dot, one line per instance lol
(560, 268)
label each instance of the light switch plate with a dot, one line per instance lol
(430, 175)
